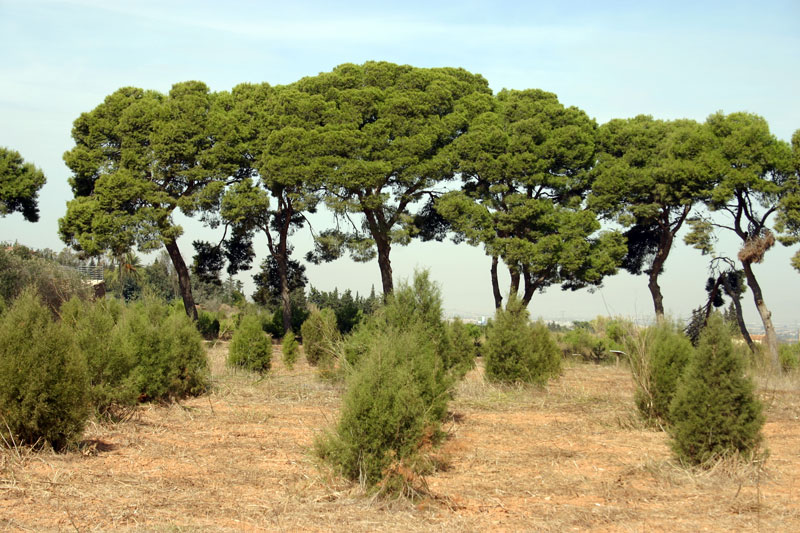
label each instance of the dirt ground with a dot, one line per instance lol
(570, 457)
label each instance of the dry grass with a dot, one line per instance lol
(572, 456)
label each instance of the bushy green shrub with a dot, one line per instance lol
(289, 348)
(462, 348)
(398, 388)
(790, 356)
(110, 361)
(518, 351)
(320, 336)
(392, 403)
(43, 379)
(715, 411)
(668, 353)
(208, 325)
(250, 347)
(170, 357)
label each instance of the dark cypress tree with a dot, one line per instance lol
(715, 411)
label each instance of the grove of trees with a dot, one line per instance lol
(385, 147)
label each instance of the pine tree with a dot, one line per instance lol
(715, 411)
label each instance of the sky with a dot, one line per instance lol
(612, 59)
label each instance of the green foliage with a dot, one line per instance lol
(274, 326)
(462, 348)
(111, 362)
(649, 175)
(349, 309)
(696, 324)
(208, 325)
(20, 183)
(715, 411)
(250, 347)
(21, 267)
(668, 353)
(393, 401)
(790, 356)
(170, 357)
(518, 351)
(138, 157)
(397, 390)
(320, 336)
(395, 126)
(524, 160)
(43, 379)
(290, 348)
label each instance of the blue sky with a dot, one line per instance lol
(612, 59)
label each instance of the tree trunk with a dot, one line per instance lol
(384, 247)
(184, 281)
(498, 298)
(656, 269)
(766, 316)
(514, 288)
(530, 288)
(737, 305)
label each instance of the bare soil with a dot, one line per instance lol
(573, 456)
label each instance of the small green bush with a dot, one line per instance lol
(170, 357)
(289, 348)
(112, 386)
(43, 380)
(397, 389)
(518, 351)
(208, 325)
(250, 347)
(715, 411)
(462, 348)
(668, 353)
(391, 404)
(320, 336)
(790, 356)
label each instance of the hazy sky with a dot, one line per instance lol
(612, 59)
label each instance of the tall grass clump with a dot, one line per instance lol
(715, 412)
(396, 392)
(251, 347)
(43, 380)
(517, 350)
(320, 336)
(668, 351)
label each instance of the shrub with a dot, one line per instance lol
(208, 325)
(715, 411)
(462, 348)
(397, 390)
(170, 357)
(251, 347)
(391, 404)
(518, 351)
(320, 336)
(110, 362)
(43, 379)
(668, 352)
(289, 347)
(790, 356)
